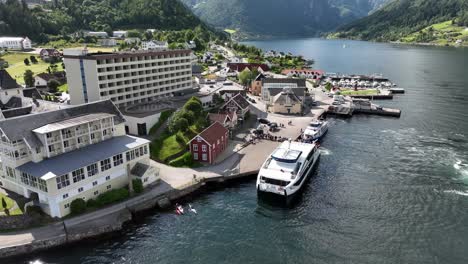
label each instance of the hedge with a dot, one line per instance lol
(185, 160)
(112, 196)
(78, 206)
(137, 185)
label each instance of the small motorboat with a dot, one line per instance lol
(192, 209)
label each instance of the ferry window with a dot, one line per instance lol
(296, 169)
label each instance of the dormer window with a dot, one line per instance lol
(49, 135)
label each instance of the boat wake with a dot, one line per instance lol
(462, 193)
(325, 152)
(461, 167)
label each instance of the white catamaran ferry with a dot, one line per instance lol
(287, 168)
(315, 130)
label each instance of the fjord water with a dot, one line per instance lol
(386, 190)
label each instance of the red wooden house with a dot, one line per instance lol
(210, 143)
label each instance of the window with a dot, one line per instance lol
(118, 159)
(49, 135)
(195, 147)
(92, 136)
(145, 149)
(10, 172)
(105, 164)
(107, 178)
(195, 156)
(24, 178)
(92, 169)
(51, 148)
(78, 175)
(145, 179)
(108, 187)
(65, 196)
(198, 139)
(104, 132)
(130, 155)
(66, 144)
(204, 148)
(42, 185)
(217, 142)
(94, 183)
(204, 157)
(67, 205)
(62, 181)
(96, 192)
(80, 189)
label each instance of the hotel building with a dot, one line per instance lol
(82, 151)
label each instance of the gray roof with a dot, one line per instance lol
(22, 127)
(299, 91)
(139, 169)
(14, 112)
(299, 82)
(70, 161)
(286, 97)
(31, 93)
(83, 119)
(6, 81)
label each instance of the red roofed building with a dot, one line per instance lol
(303, 73)
(210, 143)
(228, 120)
(239, 67)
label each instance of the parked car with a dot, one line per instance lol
(264, 121)
(336, 103)
(273, 126)
(252, 100)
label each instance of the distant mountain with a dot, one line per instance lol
(401, 18)
(67, 16)
(282, 17)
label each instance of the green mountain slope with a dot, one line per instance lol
(281, 17)
(402, 18)
(68, 16)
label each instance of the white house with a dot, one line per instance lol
(119, 34)
(154, 45)
(73, 153)
(17, 43)
(97, 34)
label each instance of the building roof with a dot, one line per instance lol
(31, 93)
(299, 82)
(260, 77)
(70, 161)
(298, 91)
(50, 51)
(126, 54)
(197, 69)
(19, 111)
(240, 101)
(212, 133)
(6, 81)
(286, 97)
(71, 122)
(139, 169)
(22, 127)
(221, 118)
(242, 66)
(302, 71)
(60, 76)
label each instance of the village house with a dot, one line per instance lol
(237, 104)
(304, 73)
(210, 143)
(16, 43)
(286, 102)
(96, 34)
(154, 45)
(228, 119)
(42, 79)
(55, 157)
(239, 67)
(50, 55)
(119, 34)
(256, 85)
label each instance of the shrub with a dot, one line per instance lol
(180, 138)
(91, 203)
(112, 196)
(137, 185)
(163, 118)
(185, 160)
(78, 206)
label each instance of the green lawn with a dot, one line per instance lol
(17, 66)
(444, 33)
(9, 202)
(360, 92)
(63, 87)
(169, 147)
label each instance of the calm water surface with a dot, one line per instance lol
(386, 190)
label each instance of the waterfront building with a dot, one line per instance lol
(315, 75)
(17, 43)
(239, 67)
(82, 151)
(210, 143)
(237, 104)
(138, 82)
(286, 102)
(50, 54)
(273, 86)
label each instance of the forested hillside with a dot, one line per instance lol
(401, 18)
(62, 17)
(281, 17)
